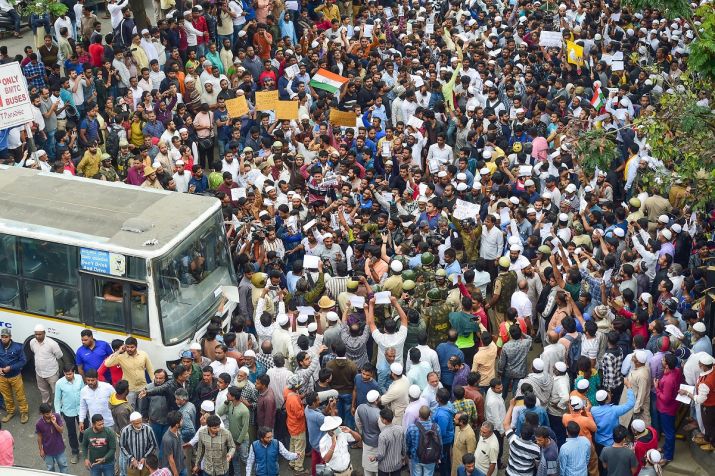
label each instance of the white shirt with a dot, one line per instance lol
(182, 181)
(341, 454)
(384, 341)
(495, 410)
(437, 156)
(427, 354)
(115, 11)
(230, 367)
(492, 243)
(64, 22)
(47, 353)
(233, 167)
(96, 401)
(520, 301)
(553, 353)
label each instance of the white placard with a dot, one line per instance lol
(545, 230)
(415, 122)
(292, 5)
(387, 196)
(422, 188)
(504, 216)
(417, 80)
(358, 302)
(429, 29)
(308, 225)
(495, 53)
(383, 297)
(231, 293)
(385, 148)
(237, 193)
(367, 30)
(388, 13)
(464, 210)
(616, 16)
(550, 39)
(617, 66)
(292, 71)
(311, 261)
(306, 310)
(15, 104)
(684, 398)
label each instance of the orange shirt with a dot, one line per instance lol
(588, 426)
(295, 413)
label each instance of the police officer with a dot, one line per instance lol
(504, 287)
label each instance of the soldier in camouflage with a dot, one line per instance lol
(504, 287)
(436, 317)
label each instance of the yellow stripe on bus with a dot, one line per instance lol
(72, 323)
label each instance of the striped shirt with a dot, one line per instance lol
(137, 444)
(390, 448)
(524, 455)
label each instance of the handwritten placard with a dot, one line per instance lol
(286, 110)
(266, 100)
(237, 107)
(464, 210)
(342, 118)
(550, 39)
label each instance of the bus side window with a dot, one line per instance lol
(109, 304)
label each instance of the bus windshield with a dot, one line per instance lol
(189, 278)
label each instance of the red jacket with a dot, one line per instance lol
(667, 390)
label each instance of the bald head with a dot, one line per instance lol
(553, 337)
(523, 285)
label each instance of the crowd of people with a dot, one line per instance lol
(441, 288)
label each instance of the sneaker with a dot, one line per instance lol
(24, 417)
(699, 440)
(74, 458)
(707, 447)
(8, 417)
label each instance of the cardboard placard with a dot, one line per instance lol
(266, 100)
(237, 107)
(287, 110)
(237, 193)
(342, 118)
(464, 210)
(311, 261)
(550, 39)
(382, 297)
(415, 122)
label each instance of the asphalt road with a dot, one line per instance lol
(26, 453)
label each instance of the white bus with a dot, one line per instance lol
(87, 254)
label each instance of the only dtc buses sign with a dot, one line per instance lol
(15, 105)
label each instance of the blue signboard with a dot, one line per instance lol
(95, 261)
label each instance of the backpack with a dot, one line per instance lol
(573, 354)
(429, 447)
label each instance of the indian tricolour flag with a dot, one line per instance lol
(598, 100)
(327, 81)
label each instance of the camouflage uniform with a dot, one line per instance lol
(109, 173)
(436, 317)
(504, 286)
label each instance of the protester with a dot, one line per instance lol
(417, 226)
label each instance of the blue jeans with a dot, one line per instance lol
(50, 144)
(38, 21)
(240, 457)
(445, 464)
(106, 469)
(667, 424)
(419, 469)
(159, 431)
(506, 382)
(345, 401)
(59, 460)
(15, 17)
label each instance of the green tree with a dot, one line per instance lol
(39, 7)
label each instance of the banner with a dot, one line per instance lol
(287, 110)
(342, 118)
(266, 100)
(237, 107)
